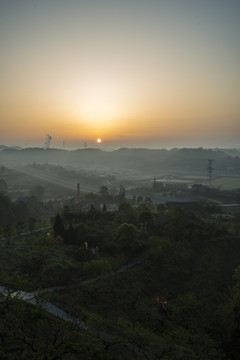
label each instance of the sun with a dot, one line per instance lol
(99, 140)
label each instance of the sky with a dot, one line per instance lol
(136, 73)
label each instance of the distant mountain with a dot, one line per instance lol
(3, 147)
(184, 161)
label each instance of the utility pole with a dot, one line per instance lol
(210, 172)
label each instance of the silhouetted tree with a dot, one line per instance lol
(21, 211)
(104, 192)
(58, 226)
(38, 192)
(161, 208)
(139, 199)
(128, 238)
(145, 217)
(125, 214)
(3, 186)
(70, 235)
(92, 209)
(6, 214)
(121, 195)
(32, 224)
(104, 207)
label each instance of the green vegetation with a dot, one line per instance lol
(176, 298)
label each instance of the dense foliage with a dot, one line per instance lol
(177, 298)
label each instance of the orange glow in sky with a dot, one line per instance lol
(99, 141)
(135, 72)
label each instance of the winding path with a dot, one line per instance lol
(135, 262)
(32, 298)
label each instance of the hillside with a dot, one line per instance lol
(148, 160)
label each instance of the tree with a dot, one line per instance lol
(67, 214)
(235, 348)
(148, 199)
(104, 192)
(58, 226)
(70, 235)
(92, 209)
(104, 207)
(96, 268)
(121, 195)
(145, 217)
(209, 207)
(125, 214)
(177, 223)
(139, 199)
(160, 208)
(128, 238)
(3, 186)
(21, 211)
(38, 192)
(32, 224)
(6, 214)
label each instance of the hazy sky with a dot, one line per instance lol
(157, 73)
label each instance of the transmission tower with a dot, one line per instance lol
(210, 172)
(47, 141)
